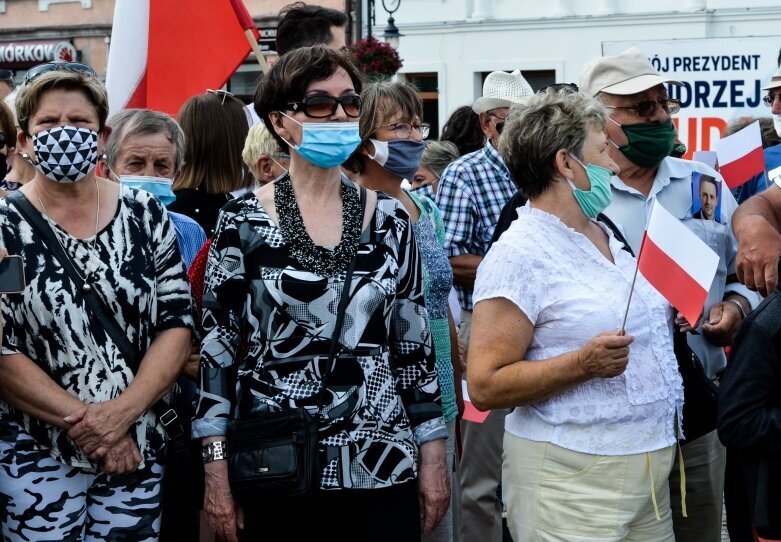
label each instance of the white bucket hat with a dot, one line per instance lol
(502, 89)
(627, 73)
(775, 82)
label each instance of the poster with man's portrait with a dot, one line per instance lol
(706, 197)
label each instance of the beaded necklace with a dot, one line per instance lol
(314, 258)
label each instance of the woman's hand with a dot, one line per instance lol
(223, 515)
(98, 427)
(193, 363)
(433, 484)
(606, 355)
(121, 458)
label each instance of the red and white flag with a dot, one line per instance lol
(740, 155)
(166, 51)
(470, 411)
(677, 263)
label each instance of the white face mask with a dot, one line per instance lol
(777, 124)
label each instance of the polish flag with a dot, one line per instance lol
(166, 51)
(677, 263)
(471, 413)
(740, 155)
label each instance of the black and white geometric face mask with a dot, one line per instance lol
(66, 154)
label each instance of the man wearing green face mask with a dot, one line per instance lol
(642, 136)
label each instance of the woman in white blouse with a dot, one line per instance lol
(589, 445)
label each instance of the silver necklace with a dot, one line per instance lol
(87, 277)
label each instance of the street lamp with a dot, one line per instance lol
(391, 33)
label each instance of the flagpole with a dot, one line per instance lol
(631, 289)
(256, 49)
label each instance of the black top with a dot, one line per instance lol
(749, 412)
(200, 206)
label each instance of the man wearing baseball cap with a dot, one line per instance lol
(471, 194)
(641, 135)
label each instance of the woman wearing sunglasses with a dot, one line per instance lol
(277, 268)
(79, 435)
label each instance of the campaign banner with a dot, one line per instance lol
(722, 81)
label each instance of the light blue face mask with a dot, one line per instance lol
(598, 197)
(327, 144)
(159, 187)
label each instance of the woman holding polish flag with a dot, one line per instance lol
(589, 445)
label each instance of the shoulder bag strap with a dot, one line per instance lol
(93, 299)
(343, 301)
(616, 232)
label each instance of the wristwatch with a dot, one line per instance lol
(214, 451)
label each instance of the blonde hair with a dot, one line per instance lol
(29, 97)
(259, 142)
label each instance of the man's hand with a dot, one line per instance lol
(433, 484)
(722, 323)
(759, 247)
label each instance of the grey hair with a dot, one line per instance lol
(141, 122)
(438, 155)
(534, 132)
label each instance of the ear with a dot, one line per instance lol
(103, 138)
(102, 169)
(485, 125)
(564, 164)
(25, 143)
(367, 149)
(264, 169)
(277, 122)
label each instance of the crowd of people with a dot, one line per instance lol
(184, 275)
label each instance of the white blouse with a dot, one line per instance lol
(570, 292)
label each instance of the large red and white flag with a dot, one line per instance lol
(166, 51)
(677, 263)
(740, 155)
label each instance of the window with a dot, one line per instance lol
(244, 81)
(428, 90)
(43, 5)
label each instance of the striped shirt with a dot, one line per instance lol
(471, 195)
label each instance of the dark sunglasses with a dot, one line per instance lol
(73, 67)
(2, 142)
(571, 87)
(500, 121)
(323, 105)
(770, 98)
(6, 75)
(647, 109)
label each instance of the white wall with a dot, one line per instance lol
(439, 37)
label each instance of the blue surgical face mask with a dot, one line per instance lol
(327, 144)
(598, 197)
(160, 187)
(401, 157)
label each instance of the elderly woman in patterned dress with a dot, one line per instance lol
(275, 275)
(79, 439)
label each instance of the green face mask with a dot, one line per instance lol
(649, 142)
(679, 149)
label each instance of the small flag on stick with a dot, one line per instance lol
(470, 412)
(677, 263)
(740, 155)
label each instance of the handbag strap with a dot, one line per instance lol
(343, 301)
(94, 302)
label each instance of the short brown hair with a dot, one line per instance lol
(379, 102)
(29, 97)
(215, 127)
(534, 132)
(289, 78)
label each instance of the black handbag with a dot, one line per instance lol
(275, 454)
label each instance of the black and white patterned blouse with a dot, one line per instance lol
(382, 398)
(140, 275)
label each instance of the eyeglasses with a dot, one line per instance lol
(647, 109)
(73, 67)
(404, 129)
(570, 87)
(500, 123)
(321, 106)
(770, 98)
(223, 93)
(282, 155)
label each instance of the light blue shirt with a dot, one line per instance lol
(672, 186)
(189, 236)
